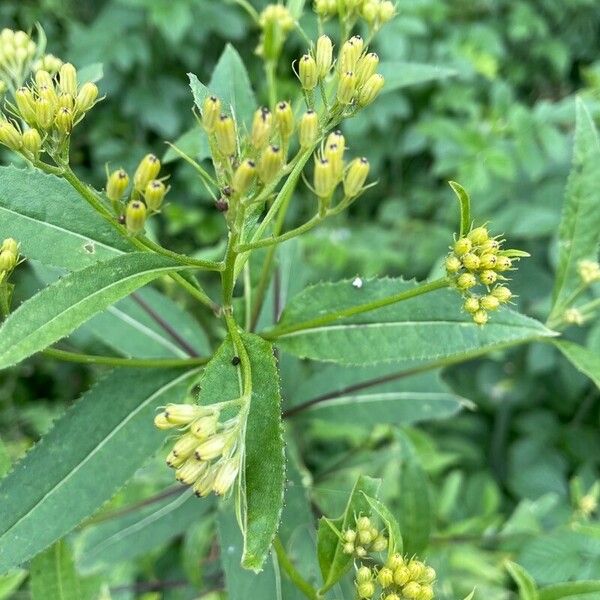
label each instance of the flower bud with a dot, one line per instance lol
(135, 217)
(211, 111)
(366, 67)
(285, 119)
(48, 93)
(44, 113)
(488, 260)
(32, 142)
(466, 281)
(66, 101)
(387, 11)
(204, 427)
(68, 79)
(429, 575)
(325, 179)
(8, 261)
(324, 56)
(161, 422)
(64, 121)
(10, 245)
(86, 98)
(411, 590)
(380, 543)
(360, 551)
(262, 126)
(212, 447)
(589, 271)
(243, 176)
(502, 293)
(480, 317)
(226, 135)
(363, 575)
(471, 261)
(394, 561)
(365, 537)
(462, 246)
(478, 236)
(503, 263)
(348, 548)
(346, 87)
(204, 484)
(9, 135)
(453, 264)
(349, 535)
(363, 523)
(116, 184)
(326, 8)
(490, 246)
(349, 55)
(366, 590)
(226, 476)
(154, 194)
(147, 170)
(392, 596)
(308, 130)
(355, 177)
(426, 593)
(184, 414)
(489, 302)
(185, 445)
(371, 89)
(308, 74)
(335, 155)
(43, 78)
(471, 304)
(488, 277)
(270, 164)
(416, 569)
(385, 577)
(189, 472)
(174, 462)
(337, 138)
(25, 104)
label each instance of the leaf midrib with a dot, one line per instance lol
(386, 397)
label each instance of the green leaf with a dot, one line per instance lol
(194, 143)
(566, 590)
(53, 575)
(5, 461)
(579, 233)
(464, 202)
(403, 331)
(60, 308)
(399, 74)
(138, 532)
(52, 222)
(395, 543)
(85, 458)
(332, 560)
(264, 477)
(93, 73)
(10, 582)
(296, 7)
(231, 84)
(584, 360)
(525, 583)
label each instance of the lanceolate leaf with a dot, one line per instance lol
(61, 307)
(524, 581)
(52, 222)
(570, 589)
(425, 328)
(584, 360)
(394, 536)
(579, 233)
(53, 575)
(264, 456)
(87, 456)
(400, 74)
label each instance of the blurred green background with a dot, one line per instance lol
(499, 476)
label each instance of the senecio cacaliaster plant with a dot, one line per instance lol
(221, 411)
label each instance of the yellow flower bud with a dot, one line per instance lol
(365, 537)
(66, 101)
(161, 421)
(380, 543)
(363, 575)
(49, 94)
(335, 155)
(346, 87)
(401, 575)
(8, 261)
(185, 445)
(387, 11)
(25, 104)
(366, 67)
(10, 245)
(370, 11)
(44, 113)
(385, 577)
(471, 304)
(426, 593)
(68, 79)
(325, 179)
(411, 590)
(190, 471)
(147, 170)
(462, 246)
(503, 263)
(308, 130)
(466, 281)
(480, 317)
(360, 551)
(490, 302)
(204, 427)
(211, 112)
(212, 447)
(285, 119)
(308, 74)
(488, 277)
(392, 596)
(64, 121)
(416, 569)
(116, 185)
(184, 414)
(86, 98)
(371, 89)
(226, 476)
(478, 236)
(10, 135)
(326, 8)
(349, 54)
(226, 136)
(490, 246)
(488, 260)
(395, 561)
(154, 194)
(453, 264)
(355, 177)
(349, 535)
(348, 548)
(502, 293)
(243, 177)
(429, 575)
(270, 164)
(135, 217)
(337, 138)
(43, 78)
(262, 126)
(32, 142)
(324, 56)
(204, 485)
(363, 523)
(589, 271)
(471, 261)
(366, 590)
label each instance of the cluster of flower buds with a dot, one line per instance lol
(17, 51)
(589, 271)
(478, 261)
(399, 579)
(275, 22)
(364, 538)
(9, 257)
(145, 197)
(206, 453)
(376, 13)
(331, 169)
(49, 63)
(50, 108)
(358, 82)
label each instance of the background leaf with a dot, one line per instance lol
(89, 453)
(526, 584)
(53, 575)
(570, 589)
(584, 360)
(399, 74)
(394, 535)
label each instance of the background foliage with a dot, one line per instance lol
(500, 480)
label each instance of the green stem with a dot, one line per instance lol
(293, 573)
(232, 328)
(228, 276)
(197, 293)
(119, 361)
(270, 241)
(270, 71)
(419, 290)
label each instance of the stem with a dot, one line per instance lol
(270, 72)
(228, 275)
(273, 240)
(198, 293)
(238, 344)
(119, 361)
(293, 573)
(419, 290)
